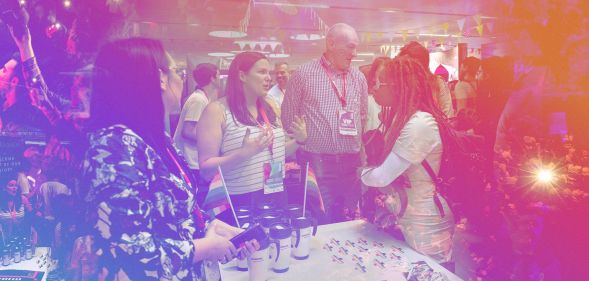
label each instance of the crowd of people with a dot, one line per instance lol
(133, 184)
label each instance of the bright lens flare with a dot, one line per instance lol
(545, 176)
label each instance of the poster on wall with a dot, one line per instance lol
(11, 156)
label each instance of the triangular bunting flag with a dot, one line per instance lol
(368, 37)
(480, 29)
(405, 33)
(263, 45)
(379, 36)
(273, 45)
(445, 26)
(477, 19)
(384, 49)
(241, 45)
(490, 26)
(460, 23)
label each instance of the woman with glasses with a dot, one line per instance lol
(411, 136)
(141, 202)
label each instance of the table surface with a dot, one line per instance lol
(34, 264)
(341, 262)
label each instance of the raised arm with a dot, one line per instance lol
(48, 102)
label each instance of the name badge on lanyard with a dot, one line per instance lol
(347, 123)
(273, 169)
(345, 118)
(273, 176)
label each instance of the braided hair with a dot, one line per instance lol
(410, 92)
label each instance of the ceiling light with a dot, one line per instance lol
(434, 35)
(307, 37)
(358, 60)
(366, 54)
(221, 54)
(316, 6)
(389, 10)
(239, 52)
(278, 56)
(227, 34)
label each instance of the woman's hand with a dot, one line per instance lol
(220, 249)
(252, 147)
(250, 247)
(214, 247)
(298, 130)
(228, 231)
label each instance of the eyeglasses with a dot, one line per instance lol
(379, 84)
(179, 71)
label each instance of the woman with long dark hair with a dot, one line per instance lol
(141, 199)
(412, 135)
(242, 134)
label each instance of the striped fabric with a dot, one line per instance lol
(310, 94)
(6, 216)
(248, 176)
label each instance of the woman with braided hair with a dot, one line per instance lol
(411, 136)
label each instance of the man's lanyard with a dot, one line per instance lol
(341, 96)
(262, 112)
(201, 221)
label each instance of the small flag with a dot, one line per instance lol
(217, 200)
(313, 189)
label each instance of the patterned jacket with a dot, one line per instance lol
(143, 215)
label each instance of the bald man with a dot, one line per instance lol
(332, 97)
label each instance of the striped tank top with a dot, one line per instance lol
(6, 216)
(248, 176)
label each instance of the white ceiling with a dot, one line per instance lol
(184, 25)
